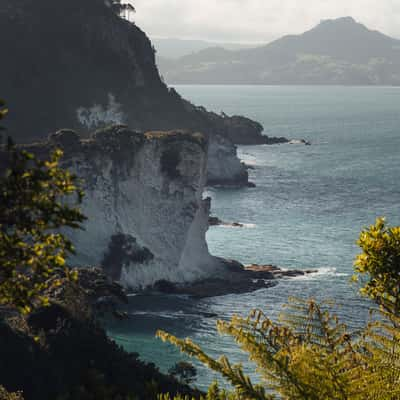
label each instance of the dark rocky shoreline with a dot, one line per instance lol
(61, 351)
(238, 279)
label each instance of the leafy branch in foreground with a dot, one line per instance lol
(34, 206)
(380, 264)
(308, 353)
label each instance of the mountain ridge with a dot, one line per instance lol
(338, 51)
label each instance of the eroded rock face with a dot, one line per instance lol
(147, 218)
(152, 194)
(224, 167)
(124, 251)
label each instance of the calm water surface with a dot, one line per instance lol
(306, 212)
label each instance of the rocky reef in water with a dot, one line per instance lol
(147, 219)
(238, 279)
(80, 66)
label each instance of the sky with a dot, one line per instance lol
(257, 21)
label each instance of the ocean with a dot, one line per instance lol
(307, 210)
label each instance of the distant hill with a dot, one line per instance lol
(339, 51)
(173, 48)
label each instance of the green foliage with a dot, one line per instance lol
(214, 393)
(3, 111)
(35, 198)
(4, 395)
(380, 262)
(308, 353)
(184, 371)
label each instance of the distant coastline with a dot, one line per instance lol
(332, 53)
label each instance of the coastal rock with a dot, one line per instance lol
(213, 287)
(237, 279)
(300, 141)
(147, 218)
(276, 140)
(260, 271)
(215, 221)
(224, 167)
(242, 130)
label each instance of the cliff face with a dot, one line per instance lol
(75, 64)
(147, 219)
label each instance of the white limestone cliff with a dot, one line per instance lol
(144, 193)
(224, 166)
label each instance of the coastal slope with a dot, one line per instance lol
(78, 65)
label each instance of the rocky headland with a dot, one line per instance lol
(78, 65)
(146, 216)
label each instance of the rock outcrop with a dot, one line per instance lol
(224, 167)
(147, 218)
(240, 279)
(80, 66)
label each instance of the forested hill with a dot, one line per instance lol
(77, 64)
(339, 51)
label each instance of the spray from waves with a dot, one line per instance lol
(238, 225)
(248, 159)
(250, 226)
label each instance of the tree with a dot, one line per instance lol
(184, 371)
(3, 111)
(124, 10)
(213, 393)
(378, 267)
(35, 203)
(308, 353)
(4, 395)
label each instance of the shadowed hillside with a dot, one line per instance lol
(76, 64)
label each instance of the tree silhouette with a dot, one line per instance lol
(124, 10)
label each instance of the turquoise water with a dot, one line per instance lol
(309, 205)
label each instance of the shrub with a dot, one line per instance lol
(4, 395)
(308, 353)
(35, 198)
(184, 371)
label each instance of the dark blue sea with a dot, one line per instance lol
(307, 210)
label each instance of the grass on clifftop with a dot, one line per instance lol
(196, 137)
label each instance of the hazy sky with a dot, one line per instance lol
(257, 20)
